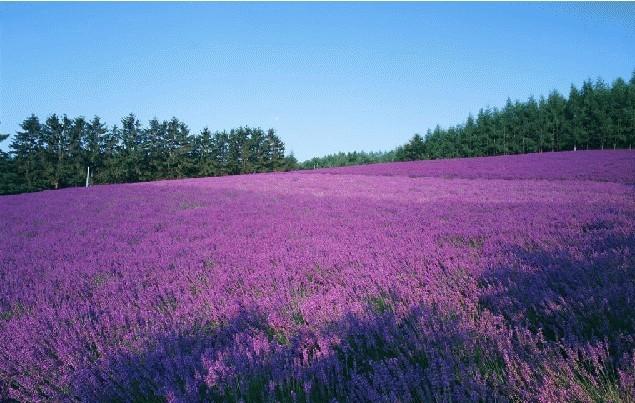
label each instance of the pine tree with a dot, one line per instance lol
(110, 147)
(555, 116)
(9, 180)
(74, 172)
(178, 149)
(575, 130)
(630, 113)
(601, 114)
(237, 151)
(530, 122)
(27, 149)
(93, 154)
(619, 113)
(290, 162)
(470, 136)
(257, 151)
(131, 153)
(203, 154)
(508, 126)
(275, 159)
(221, 153)
(415, 149)
(155, 150)
(56, 136)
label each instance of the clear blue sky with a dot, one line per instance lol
(329, 77)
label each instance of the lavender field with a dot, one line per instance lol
(491, 279)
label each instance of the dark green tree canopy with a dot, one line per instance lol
(595, 116)
(59, 152)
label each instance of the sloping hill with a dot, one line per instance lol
(514, 280)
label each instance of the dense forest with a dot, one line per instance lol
(595, 116)
(58, 152)
(351, 158)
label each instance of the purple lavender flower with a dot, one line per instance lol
(504, 278)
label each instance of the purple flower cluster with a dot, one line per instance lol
(609, 166)
(506, 278)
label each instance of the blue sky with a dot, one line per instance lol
(328, 76)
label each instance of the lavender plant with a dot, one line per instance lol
(490, 279)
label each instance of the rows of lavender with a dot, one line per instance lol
(378, 283)
(587, 165)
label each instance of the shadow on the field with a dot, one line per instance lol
(430, 353)
(427, 355)
(570, 296)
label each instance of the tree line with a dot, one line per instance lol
(56, 153)
(595, 116)
(350, 158)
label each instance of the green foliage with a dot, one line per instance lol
(596, 116)
(28, 157)
(8, 176)
(415, 149)
(345, 159)
(58, 153)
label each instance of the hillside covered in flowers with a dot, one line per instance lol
(506, 278)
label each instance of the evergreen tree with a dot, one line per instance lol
(508, 127)
(237, 143)
(630, 113)
(575, 133)
(555, 119)
(74, 172)
(257, 159)
(203, 154)
(177, 146)
(619, 114)
(56, 142)
(154, 150)
(131, 151)
(110, 146)
(290, 162)
(221, 153)
(274, 147)
(596, 116)
(470, 136)
(27, 148)
(57, 153)
(9, 180)
(93, 153)
(415, 149)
